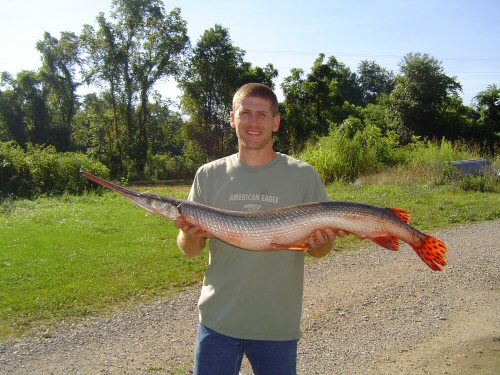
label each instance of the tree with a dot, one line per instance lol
(164, 129)
(210, 80)
(294, 116)
(314, 103)
(104, 59)
(94, 130)
(215, 71)
(23, 109)
(59, 61)
(420, 96)
(12, 125)
(258, 74)
(374, 80)
(128, 57)
(488, 107)
(329, 85)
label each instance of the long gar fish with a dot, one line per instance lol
(289, 227)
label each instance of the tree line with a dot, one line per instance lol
(124, 122)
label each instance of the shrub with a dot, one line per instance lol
(42, 170)
(15, 176)
(349, 151)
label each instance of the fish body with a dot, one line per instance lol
(289, 227)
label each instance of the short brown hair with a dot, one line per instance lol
(256, 90)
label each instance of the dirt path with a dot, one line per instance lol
(365, 312)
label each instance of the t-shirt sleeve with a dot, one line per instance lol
(315, 189)
(195, 192)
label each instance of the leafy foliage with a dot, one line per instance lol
(125, 124)
(374, 80)
(43, 171)
(141, 47)
(349, 151)
(163, 166)
(60, 60)
(216, 70)
(24, 110)
(488, 127)
(420, 97)
(315, 102)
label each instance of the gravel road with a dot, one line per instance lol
(365, 312)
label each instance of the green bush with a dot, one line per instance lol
(15, 177)
(43, 171)
(349, 151)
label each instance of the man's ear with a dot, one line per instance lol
(277, 121)
(231, 119)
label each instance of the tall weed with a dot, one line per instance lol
(429, 162)
(420, 152)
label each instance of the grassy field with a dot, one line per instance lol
(62, 258)
(73, 256)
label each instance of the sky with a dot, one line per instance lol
(463, 35)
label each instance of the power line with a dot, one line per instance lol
(366, 55)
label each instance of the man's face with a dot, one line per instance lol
(255, 123)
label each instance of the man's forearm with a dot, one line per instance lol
(190, 245)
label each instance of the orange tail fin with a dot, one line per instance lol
(433, 252)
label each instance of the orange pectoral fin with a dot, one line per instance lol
(388, 242)
(433, 252)
(290, 246)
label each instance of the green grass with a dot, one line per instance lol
(73, 256)
(431, 206)
(66, 257)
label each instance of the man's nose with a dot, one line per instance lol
(253, 118)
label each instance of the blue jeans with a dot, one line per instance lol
(217, 354)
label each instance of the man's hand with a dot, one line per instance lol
(191, 230)
(192, 238)
(322, 241)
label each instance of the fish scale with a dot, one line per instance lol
(288, 228)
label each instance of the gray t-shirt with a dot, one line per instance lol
(253, 294)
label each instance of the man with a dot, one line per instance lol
(251, 302)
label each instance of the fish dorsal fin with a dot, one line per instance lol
(402, 214)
